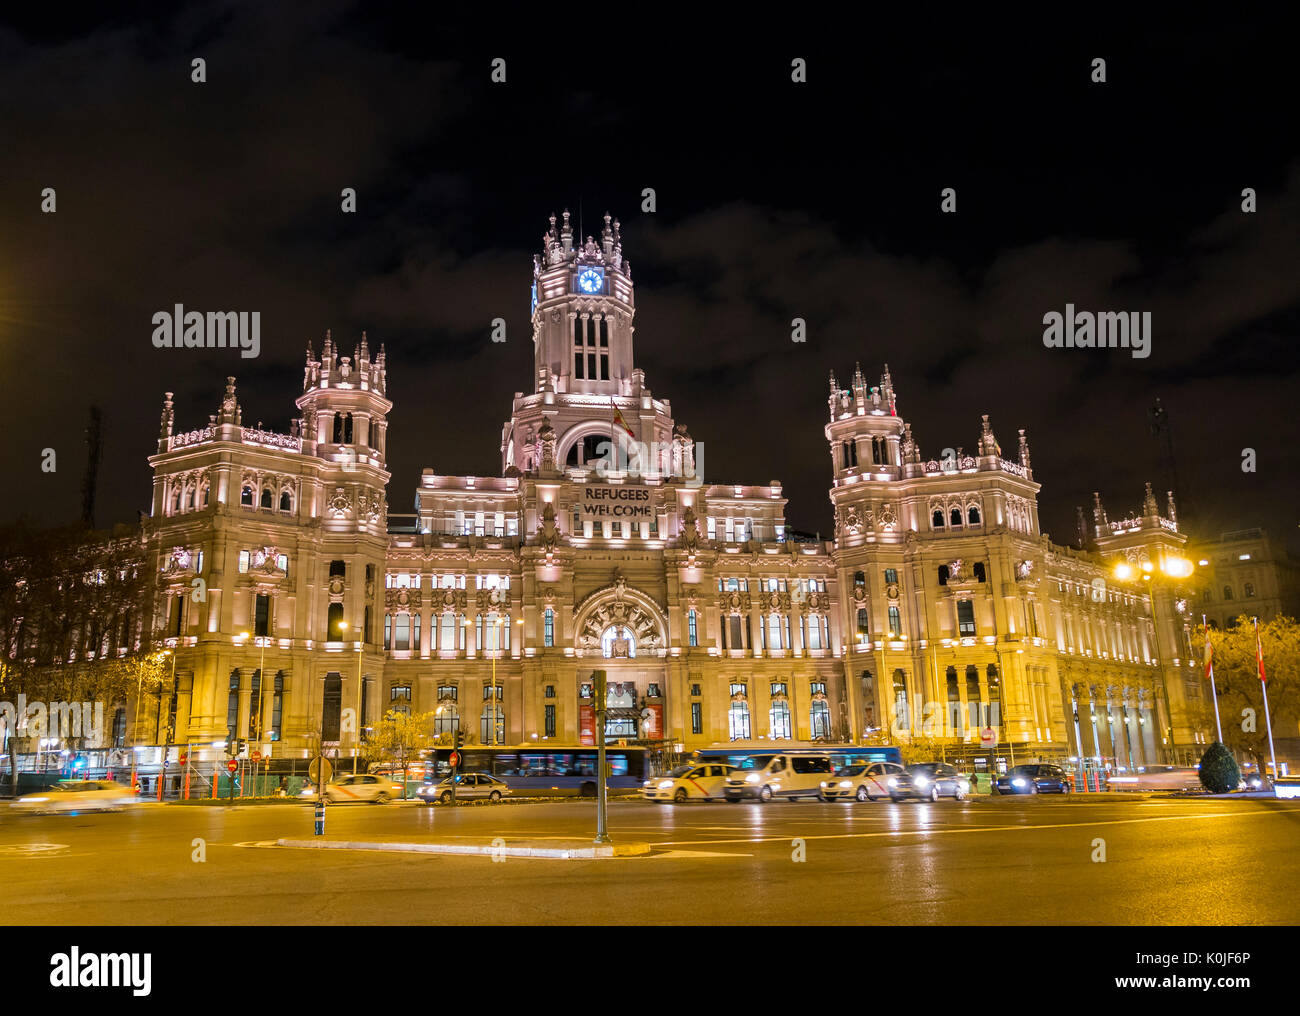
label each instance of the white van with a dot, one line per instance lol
(780, 774)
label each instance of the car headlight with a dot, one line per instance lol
(35, 800)
(752, 778)
(892, 782)
(921, 781)
(665, 784)
(1017, 782)
(845, 784)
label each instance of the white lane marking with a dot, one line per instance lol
(976, 829)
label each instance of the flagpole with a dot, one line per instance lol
(1209, 665)
(1268, 724)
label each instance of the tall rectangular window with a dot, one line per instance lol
(332, 706)
(692, 634)
(550, 721)
(262, 615)
(548, 628)
(891, 576)
(402, 632)
(447, 640)
(965, 617)
(895, 622)
(697, 719)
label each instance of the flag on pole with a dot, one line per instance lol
(1209, 656)
(618, 418)
(1259, 655)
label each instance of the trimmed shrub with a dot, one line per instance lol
(1219, 772)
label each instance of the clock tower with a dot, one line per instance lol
(582, 311)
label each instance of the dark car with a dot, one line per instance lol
(929, 781)
(1039, 778)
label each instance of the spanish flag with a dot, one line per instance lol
(1209, 656)
(1259, 654)
(618, 418)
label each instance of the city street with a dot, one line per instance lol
(992, 860)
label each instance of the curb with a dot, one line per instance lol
(560, 853)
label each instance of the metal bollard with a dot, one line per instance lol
(320, 818)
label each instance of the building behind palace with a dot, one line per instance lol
(606, 541)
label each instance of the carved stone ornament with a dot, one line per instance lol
(888, 518)
(1024, 569)
(853, 521)
(339, 504)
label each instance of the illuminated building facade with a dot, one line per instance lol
(939, 610)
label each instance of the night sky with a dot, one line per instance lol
(775, 200)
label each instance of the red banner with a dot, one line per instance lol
(586, 725)
(654, 727)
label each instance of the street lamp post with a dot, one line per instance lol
(171, 731)
(356, 759)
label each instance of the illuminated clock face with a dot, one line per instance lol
(591, 281)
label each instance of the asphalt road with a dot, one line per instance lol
(988, 861)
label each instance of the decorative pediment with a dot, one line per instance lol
(733, 601)
(493, 599)
(403, 599)
(449, 599)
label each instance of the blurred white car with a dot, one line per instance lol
(1157, 778)
(703, 782)
(77, 795)
(359, 787)
(860, 782)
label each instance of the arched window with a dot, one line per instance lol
(1227, 592)
(590, 450)
(446, 718)
(286, 502)
(246, 496)
(1250, 589)
(189, 499)
(176, 502)
(850, 454)
(901, 718)
(266, 498)
(738, 720)
(973, 516)
(277, 706)
(819, 720)
(779, 717)
(936, 520)
(254, 716)
(993, 711)
(618, 641)
(954, 517)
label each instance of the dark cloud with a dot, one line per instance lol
(774, 203)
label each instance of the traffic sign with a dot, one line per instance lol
(987, 736)
(184, 757)
(454, 759)
(231, 766)
(320, 770)
(256, 756)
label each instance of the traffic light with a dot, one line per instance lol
(242, 748)
(459, 740)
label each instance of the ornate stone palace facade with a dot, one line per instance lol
(295, 600)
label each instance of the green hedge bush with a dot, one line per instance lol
(1219, 772)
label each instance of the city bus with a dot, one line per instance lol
(551, 770)
(736, 752)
